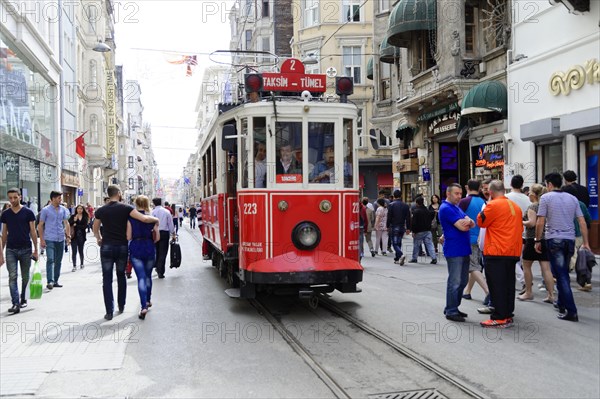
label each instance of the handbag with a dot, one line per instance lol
(35, 289)
(175, 253)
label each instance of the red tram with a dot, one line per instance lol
(279, 177)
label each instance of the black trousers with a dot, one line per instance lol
(77, 246)
(500, 276)
(162, 248)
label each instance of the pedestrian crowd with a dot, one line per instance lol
(491, 238)
(125, 234)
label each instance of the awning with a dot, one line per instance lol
(486, 97)
(405, 129)
(370, 69)
(361, 181)
(387, 53)
(385, 180)
(408, 16)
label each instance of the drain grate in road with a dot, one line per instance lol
(418, 394)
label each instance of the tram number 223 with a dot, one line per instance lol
(250, 208)
(355, 207)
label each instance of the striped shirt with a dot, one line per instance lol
(559, 209)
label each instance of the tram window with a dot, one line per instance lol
(321, 147)
(243, 152)
(288, 139)
(348, 150)
(259, 127)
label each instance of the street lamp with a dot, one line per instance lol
(102, 47)
(310, 59)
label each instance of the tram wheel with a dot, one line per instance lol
(222, 267)
(313, 302)
(232, 277)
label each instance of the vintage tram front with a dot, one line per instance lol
(281, 206)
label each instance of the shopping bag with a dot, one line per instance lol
(35, 289)
(175, 253)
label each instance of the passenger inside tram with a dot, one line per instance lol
(260, 165)
(325, 170)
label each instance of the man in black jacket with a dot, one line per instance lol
(398, 223)
(421, 231)
(582, 192)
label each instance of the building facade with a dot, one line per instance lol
(446, 58)
(554, 97)
(30, 68)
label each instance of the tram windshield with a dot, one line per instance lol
(288, 143)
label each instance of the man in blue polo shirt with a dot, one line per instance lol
(17, 233)
(457, 250)
(53, 230)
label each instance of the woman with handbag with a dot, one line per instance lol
(142, 254)
(79, 222)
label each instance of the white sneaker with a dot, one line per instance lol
(402, 260)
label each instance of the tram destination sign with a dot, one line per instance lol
(294, 82)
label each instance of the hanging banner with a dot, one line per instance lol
(111, 121)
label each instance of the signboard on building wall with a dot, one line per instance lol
(592, 184)
(111, 121)
(489, 156)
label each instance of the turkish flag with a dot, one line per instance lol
(80, 145)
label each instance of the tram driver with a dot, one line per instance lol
(286, 163)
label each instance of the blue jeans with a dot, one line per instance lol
(397, 234)
(111, 255)
(560, 252)
(458, 276)
(423, 237)
(23, 256)
(143, 271)
(361, 242)
(54, 255)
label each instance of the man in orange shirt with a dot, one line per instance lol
(502, 219)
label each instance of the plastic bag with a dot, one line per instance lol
(35, 289)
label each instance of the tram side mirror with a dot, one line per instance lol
(228, 138)
(373, 137)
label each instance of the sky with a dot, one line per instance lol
(145, 32)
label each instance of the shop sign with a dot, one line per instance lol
(16, 115)
(69, 180)
(443, 123)
(575, 78)
(111, 105)
(9, 169)
(490, 156)
(426, 174)
(434, 114)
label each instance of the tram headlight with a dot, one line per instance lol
(306, 235)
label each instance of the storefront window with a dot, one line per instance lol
(553, 158)
(27, 108)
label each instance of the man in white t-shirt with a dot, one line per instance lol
(516, 195)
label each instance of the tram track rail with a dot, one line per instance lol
(326, 376)
(462, 385)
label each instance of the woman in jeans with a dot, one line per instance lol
(79, 223)
(142, 237)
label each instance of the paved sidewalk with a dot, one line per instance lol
(61, 331)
